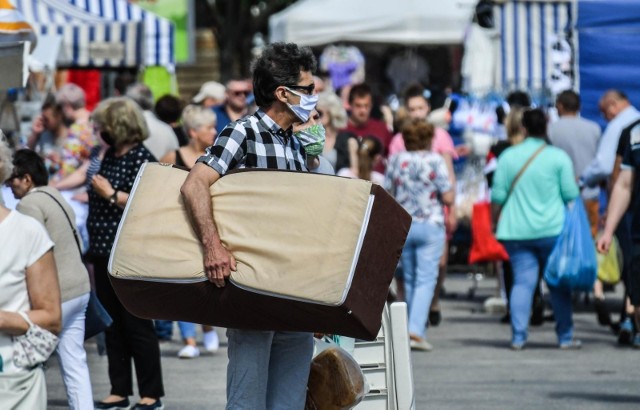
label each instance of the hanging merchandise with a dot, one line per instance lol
(480, 59)
(405, 68)
(475, 115)
(345, 65)
(561, 54)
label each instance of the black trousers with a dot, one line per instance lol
(129, 337)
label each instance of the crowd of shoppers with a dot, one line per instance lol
(79, 167)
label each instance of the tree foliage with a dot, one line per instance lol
(234, 24)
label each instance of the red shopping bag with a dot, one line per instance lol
(484, 245)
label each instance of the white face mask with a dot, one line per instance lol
(306, 105)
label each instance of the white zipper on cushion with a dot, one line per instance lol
(124, 215)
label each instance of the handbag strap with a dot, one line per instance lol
(524, 168)
(26, 318)
(71, 224)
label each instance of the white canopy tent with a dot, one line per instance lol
(407, 22)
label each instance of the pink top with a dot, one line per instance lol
(441, 144)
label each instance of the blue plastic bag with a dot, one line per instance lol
(572, 263)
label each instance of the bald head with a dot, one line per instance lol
(612, 103)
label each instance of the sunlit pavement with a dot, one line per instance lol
(471, 366)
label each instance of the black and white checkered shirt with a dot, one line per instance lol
(255, 141)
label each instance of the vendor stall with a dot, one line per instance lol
(158, 32)
(319, 22)
(530, 46)
(87, 40)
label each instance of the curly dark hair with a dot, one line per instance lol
(279, 64)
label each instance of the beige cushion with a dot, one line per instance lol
(294, 235)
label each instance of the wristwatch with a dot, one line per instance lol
(114, 198)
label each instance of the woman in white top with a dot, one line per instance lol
(28, 283)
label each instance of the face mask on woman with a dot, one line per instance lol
(306, 105)
(107, 138)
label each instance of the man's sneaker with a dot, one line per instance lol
(210, 340)
(517, 346)
(625, 336)
(188, 352)
(636, 341)
(157, 405)
(117, 405)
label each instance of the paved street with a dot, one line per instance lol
(471, 366)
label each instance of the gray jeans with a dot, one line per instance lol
(268, 370)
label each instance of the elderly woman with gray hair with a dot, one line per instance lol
(29, 285)
(121, 125)
(340, 148)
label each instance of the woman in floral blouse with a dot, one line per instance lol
(418, 179)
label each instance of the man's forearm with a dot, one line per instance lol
(620, 199)
(200, 209)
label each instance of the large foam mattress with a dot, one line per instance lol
(314, 252)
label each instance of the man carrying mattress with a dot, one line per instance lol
(266, 370)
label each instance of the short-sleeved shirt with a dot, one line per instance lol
(63, 157)
(23, 241)
(104, 217)
(442, 143)
(255, 141)
(630, 148)
(535, 208)
(222, 118)
(416, 179)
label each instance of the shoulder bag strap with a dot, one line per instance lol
(524, 168)
(71, 224)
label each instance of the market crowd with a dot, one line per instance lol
(71, 180)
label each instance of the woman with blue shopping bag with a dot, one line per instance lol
(532, 184)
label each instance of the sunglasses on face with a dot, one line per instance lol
(308, 89)
(239, 93)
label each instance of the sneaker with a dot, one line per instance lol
(116, 405)
(418, 343)
(572, 345)
(625, 335)
(211, 341)
(602, 313)
(636, 341)
(517, 346)
(157, 405)
(188, 352)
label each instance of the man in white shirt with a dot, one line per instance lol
(617, 109)
(162, 139)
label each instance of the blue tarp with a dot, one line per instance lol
(609, 51)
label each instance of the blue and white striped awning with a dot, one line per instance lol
(158, 32)
(87, 40)
(527, 29)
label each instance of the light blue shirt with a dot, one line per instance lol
(601, 167)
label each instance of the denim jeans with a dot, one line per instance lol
(268, 370)
(420, 258)
(527, 256)
(187, 330)
(164, 329)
